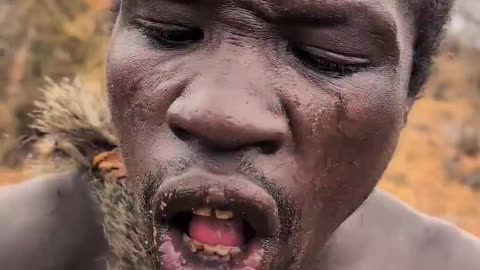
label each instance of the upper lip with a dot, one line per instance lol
(236, 193)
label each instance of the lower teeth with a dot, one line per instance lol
(211, 253)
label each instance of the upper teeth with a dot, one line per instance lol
(223, 214)
(207, 212)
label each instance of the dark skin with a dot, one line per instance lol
(286, 120)
(290, 108)
(55, 232)
(385, 234)
(50, 223)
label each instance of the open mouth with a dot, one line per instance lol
(206, 222)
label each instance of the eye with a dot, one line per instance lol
(170, 35)
(328, 63)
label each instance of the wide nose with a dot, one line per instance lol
(228, 116)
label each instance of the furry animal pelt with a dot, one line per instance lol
(73, 128)
(71, 124)
(123, 227)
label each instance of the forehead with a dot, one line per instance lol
(274, 9)
(379, 16)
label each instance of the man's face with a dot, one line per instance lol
(253, 128)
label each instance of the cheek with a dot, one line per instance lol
(142, 84)
(137, 74)
(370, 135)
(123, 74)
(346, 135)
(350, 122)
(373, 119)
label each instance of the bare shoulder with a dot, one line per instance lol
(384, 233)
(445, 246)
(49, 223)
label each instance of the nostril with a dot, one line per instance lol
(213, 133)
(181, 133)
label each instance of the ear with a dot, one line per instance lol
(409, 103)
(116, 5)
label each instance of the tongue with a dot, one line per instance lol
(213, 231)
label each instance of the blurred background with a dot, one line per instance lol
(437, 165)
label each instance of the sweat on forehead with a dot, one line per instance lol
(278, 10)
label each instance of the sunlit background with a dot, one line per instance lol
(436, 168)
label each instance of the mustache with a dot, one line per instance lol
(288, 210)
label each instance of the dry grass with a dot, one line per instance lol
(437, 164)
(56, 39)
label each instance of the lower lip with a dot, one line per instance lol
(173, 252)
(175, 255)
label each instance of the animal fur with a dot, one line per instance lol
(72, 125)
(123, 227)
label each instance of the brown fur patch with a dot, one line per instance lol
(74, 129)
(124, 227)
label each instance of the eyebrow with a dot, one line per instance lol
(327, 13)
(316, 13)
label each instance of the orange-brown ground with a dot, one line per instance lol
(418, 174)
(443, 125)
